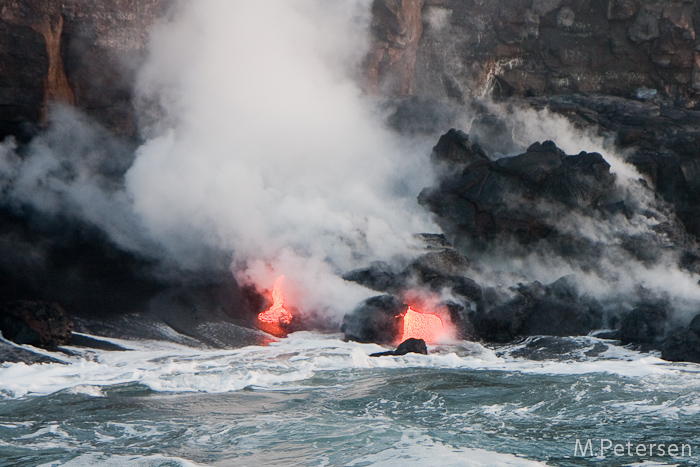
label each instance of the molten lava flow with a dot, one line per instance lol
(277, 313)
(426, 326)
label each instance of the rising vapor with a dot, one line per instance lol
(266, 151)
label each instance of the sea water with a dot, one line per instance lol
(312, 399)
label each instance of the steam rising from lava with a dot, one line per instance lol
(262, 155)
(266, 151)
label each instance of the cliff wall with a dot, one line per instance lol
(86, 52)
(71, 51)
(630, 48)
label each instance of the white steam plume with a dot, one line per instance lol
(267, 151)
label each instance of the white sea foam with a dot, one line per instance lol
(416, 448)
(107, 460)
(650, 464)
(170, 367)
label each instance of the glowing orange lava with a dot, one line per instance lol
(418, 325)
(277, 313)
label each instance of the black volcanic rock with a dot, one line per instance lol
(538, 162)
(455, 149)
(506, 198)
(683, 344)
(377, 319)
(557, 309)
(463, 318)
(379, 276)
(40, 324)
(435, 271)
(12, 354)
(661, 138)
(542, 204)
(646, 324)
(410, 345)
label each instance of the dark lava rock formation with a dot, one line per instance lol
(486, 313)
(645, 324)
(557, 309)
(539, 203)
(411, 345)
(629, 69)
(683, 344)
(543, 200)
(377, 319)
(39, 324)
(541, 47)
(505, 197)
(661, 139)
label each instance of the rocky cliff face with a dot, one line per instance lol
(397, 28)
(625, 67)
(544, 47)
(86, 52)
(75, 52)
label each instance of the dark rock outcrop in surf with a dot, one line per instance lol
(40, 324)
(683, 344)
(377, 319)
(411, 345)
(541, 203)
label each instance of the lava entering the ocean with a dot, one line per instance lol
(277, 315)
(419, 325)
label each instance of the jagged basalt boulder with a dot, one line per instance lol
(410, 345)
(645, 324)
(41, 324)
(557, 309)
(683, 344)
(435, 271)
(455, 149)
(514, 197)
(377, 319)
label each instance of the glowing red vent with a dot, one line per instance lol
(426, 326)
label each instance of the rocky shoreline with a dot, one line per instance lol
(626, 71)
(538, 204)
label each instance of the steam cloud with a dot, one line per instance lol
(262, 156)
(260, 153)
